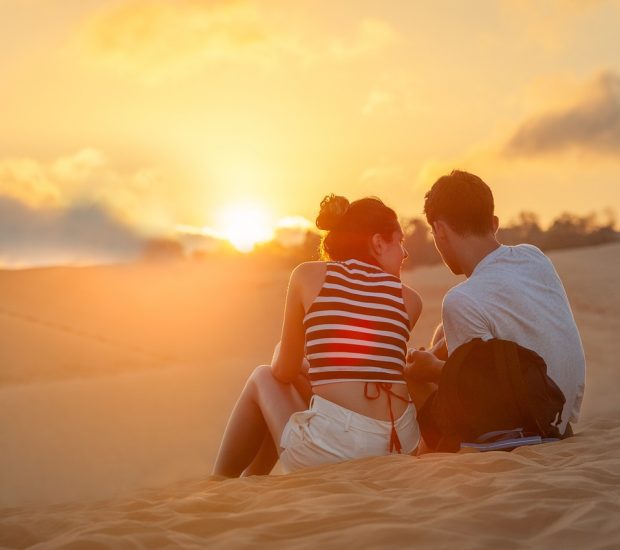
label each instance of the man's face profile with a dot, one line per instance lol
(444, 243)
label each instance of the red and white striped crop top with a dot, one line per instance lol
(357, 328)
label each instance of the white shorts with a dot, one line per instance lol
(328, 433)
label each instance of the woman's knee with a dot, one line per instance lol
(259, 376)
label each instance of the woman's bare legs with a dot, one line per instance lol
(267, 455)
(262, 411)
(265, 458)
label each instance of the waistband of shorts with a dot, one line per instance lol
(359, 421)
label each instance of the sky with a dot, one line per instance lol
(127, 117)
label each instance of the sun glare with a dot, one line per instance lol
(245, 225)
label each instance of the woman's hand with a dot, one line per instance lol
(423, 366)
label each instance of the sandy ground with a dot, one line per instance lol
(116, 383)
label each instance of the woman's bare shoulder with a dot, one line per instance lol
(413, 303)
(309, 271)
(411, 294)
(306, 281)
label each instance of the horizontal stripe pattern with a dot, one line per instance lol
(348, 317)
(357, 328)
(360, 332)
(365, 357)
(352, 342)
(334, 276)
(331, 298)
(321, 381)
(357, 292)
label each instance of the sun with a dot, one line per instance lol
(245, 225)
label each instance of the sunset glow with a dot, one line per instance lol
(245, 225)
(161, 114)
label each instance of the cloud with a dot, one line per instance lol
(592, 124)
(383, 173)
(158, 40)
(372, 36)
(85, 233)
(80, 165)
(165, 38)
(397, 94)
(27, 180)
(53, 183)
(550, 25)
(83, 177)
(376, 100)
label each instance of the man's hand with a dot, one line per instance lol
(422, 366)
(440, 349)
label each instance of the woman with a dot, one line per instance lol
(350, 317)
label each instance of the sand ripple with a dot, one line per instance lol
(566, 493)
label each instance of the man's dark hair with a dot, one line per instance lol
(463, 201)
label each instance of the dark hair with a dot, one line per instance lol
(350, 226)
(463, 201)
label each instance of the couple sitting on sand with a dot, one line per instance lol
(342, 383)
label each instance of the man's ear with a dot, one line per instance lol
(495, 224)
(440, 229)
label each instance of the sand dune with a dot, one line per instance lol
(116, 382)
(559, 494)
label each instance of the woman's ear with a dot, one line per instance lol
(377, 244)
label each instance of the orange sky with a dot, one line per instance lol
(167, 113)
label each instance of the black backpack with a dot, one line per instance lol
(489, 386)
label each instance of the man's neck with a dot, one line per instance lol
(475, 250)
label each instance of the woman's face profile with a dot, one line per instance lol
(392, 253)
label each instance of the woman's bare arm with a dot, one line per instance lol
(289, 354)
(413, 304)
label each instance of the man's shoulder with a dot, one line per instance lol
(528, 247)
(533, 261)
(459, 296)
(509, 261)
(530, 250)
(526, 252)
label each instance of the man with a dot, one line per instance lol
(511, 292)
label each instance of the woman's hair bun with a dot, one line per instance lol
(333, 208)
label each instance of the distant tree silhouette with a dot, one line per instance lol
(308, 250)
(526, 229)
(566, 231)
(158, 249)
(419, 244)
